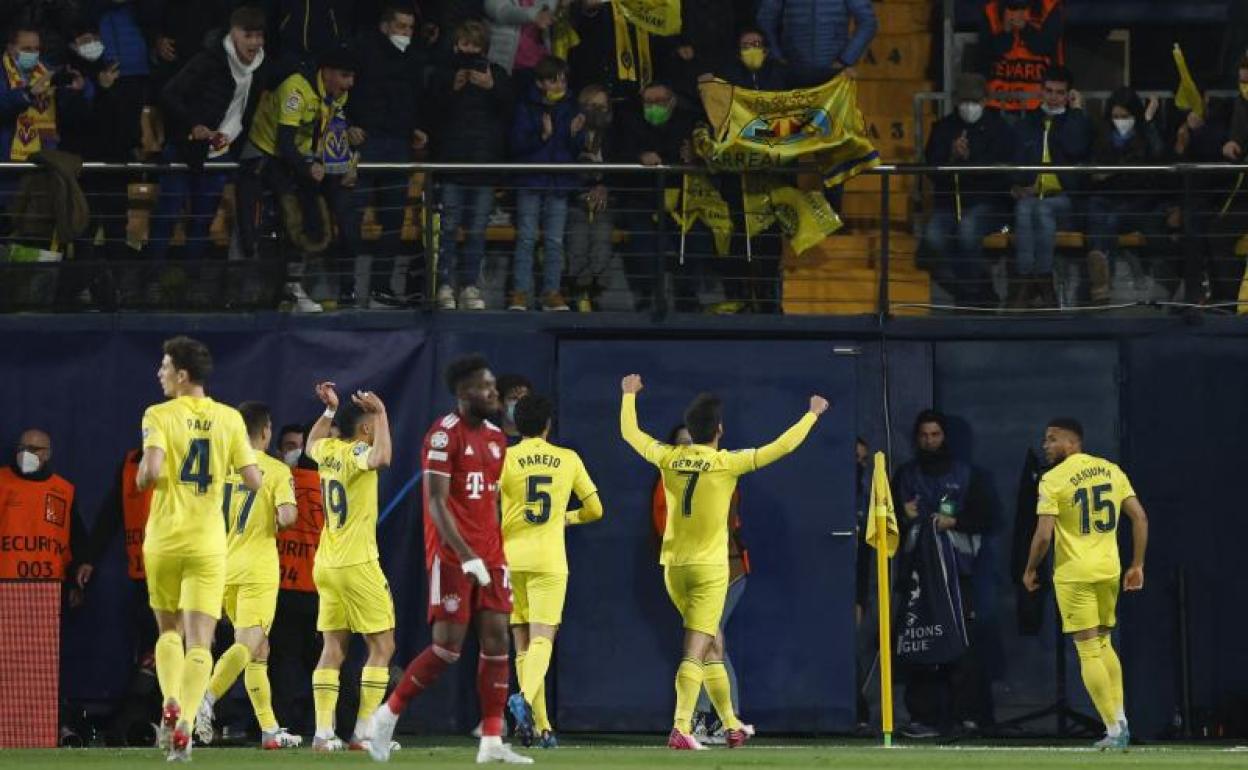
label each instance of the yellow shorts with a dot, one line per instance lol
(1087, 605)
(354, 598)
(251, 604)
(537, 597)
(186, 583)
(698, 591)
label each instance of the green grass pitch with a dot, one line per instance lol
(611, 752)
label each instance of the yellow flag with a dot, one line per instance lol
(658, 17)
(701, 201)
(564, 36)
(1186, 95)
(805, 216)
(881, 512)
(753, 130)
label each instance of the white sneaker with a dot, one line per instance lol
(446, 298)
(381, 728)
(303, 303)
(203, 722)
(470, 299)
(280, 739)
(476, 731)
(328, 744)
(497, 751)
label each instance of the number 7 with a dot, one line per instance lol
(691, 484)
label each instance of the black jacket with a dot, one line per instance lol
(635, 136)
(187, 22)
(1143, 148)
(1070, 143)
(388, 92)
(990, 143)
(473, 122)
(200, 94)
(107, 129)
(305, 28)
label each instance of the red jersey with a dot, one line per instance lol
(472, 458)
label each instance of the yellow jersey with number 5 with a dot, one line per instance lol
(537, 481)
(251, 523)
(203, 442)
(349, 492)
(1085, 493)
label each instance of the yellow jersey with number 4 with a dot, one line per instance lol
(349, 493)
(203, 441)
(698, 484)
(251, 523)
(1085, 493)
(537, 481)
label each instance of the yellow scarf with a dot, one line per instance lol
(38, 122)
(633, 61)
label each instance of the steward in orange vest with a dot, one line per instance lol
(296, 545)
(1021, 39)
(125, 508)
(40, 529)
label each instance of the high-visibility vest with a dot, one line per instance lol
(1021, 70)
(296, 545)
(135, 507)
(34, 526)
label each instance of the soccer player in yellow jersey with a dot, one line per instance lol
(190, 445)
(1082, 497)
(354, 594)
(538, 481)
(252, 520)
(699, 480)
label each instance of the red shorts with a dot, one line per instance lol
(454, 597)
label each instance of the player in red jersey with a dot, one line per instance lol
(462, 459)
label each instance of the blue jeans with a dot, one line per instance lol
(954, 250)
(388, 195)
(478, 201)
(204, 190)
(1036, 221)
(550, 208)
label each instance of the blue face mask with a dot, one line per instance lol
(27, 60)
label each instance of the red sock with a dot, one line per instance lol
(493, 686)
(420, 675)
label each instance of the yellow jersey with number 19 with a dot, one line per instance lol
(537, 481)
(1085, 493)
(203, 441)
(251, 524)
(349, 492)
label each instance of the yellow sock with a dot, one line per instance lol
(325, 699)
(229, 666)
(373, 681)
(719, 689)
(536, 662)
(1096, 679)
(520, 658)
(1113, 667)
(256, 678)
(196, 671)
(688, 684)
(541, 720)
(169, 661)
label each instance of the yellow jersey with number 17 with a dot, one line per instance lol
(203, 441)
(251, 524)
(1085, 493)
(349, 492)
(537, 481)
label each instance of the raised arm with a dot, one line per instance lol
(1133, 580)
(380, 455)
(792, 438)
(320, 429)
(643, 444)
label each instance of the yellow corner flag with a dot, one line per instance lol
(1186, 95)
(883, 535)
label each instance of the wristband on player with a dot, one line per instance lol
(329, 413)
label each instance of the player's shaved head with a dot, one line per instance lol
(533, 415)
(190, 356)
(256, 416)
(704, 417)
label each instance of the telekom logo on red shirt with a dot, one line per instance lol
(475, 484)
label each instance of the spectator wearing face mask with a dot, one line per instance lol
(36, 103)
(591, 215)
(1127, 136)
(966, 207)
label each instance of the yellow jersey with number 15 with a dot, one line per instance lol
(251, 523)
(349, 492)
(537, 481)
(1085, 493)
(203, 442)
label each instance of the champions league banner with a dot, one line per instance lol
(931, 627)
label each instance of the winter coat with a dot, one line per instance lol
(200, 94)
(527, 145)
(812, 34)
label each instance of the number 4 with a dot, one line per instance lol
(195, 466)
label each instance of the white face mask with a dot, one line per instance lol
(91, 51)
(28, 462)
(1124, 126)
(970, 112)
(291, 458)
(1052, 111)
(401, 42)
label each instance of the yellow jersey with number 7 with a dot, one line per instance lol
(349, 492)
(203, 442)
(1085, 493)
